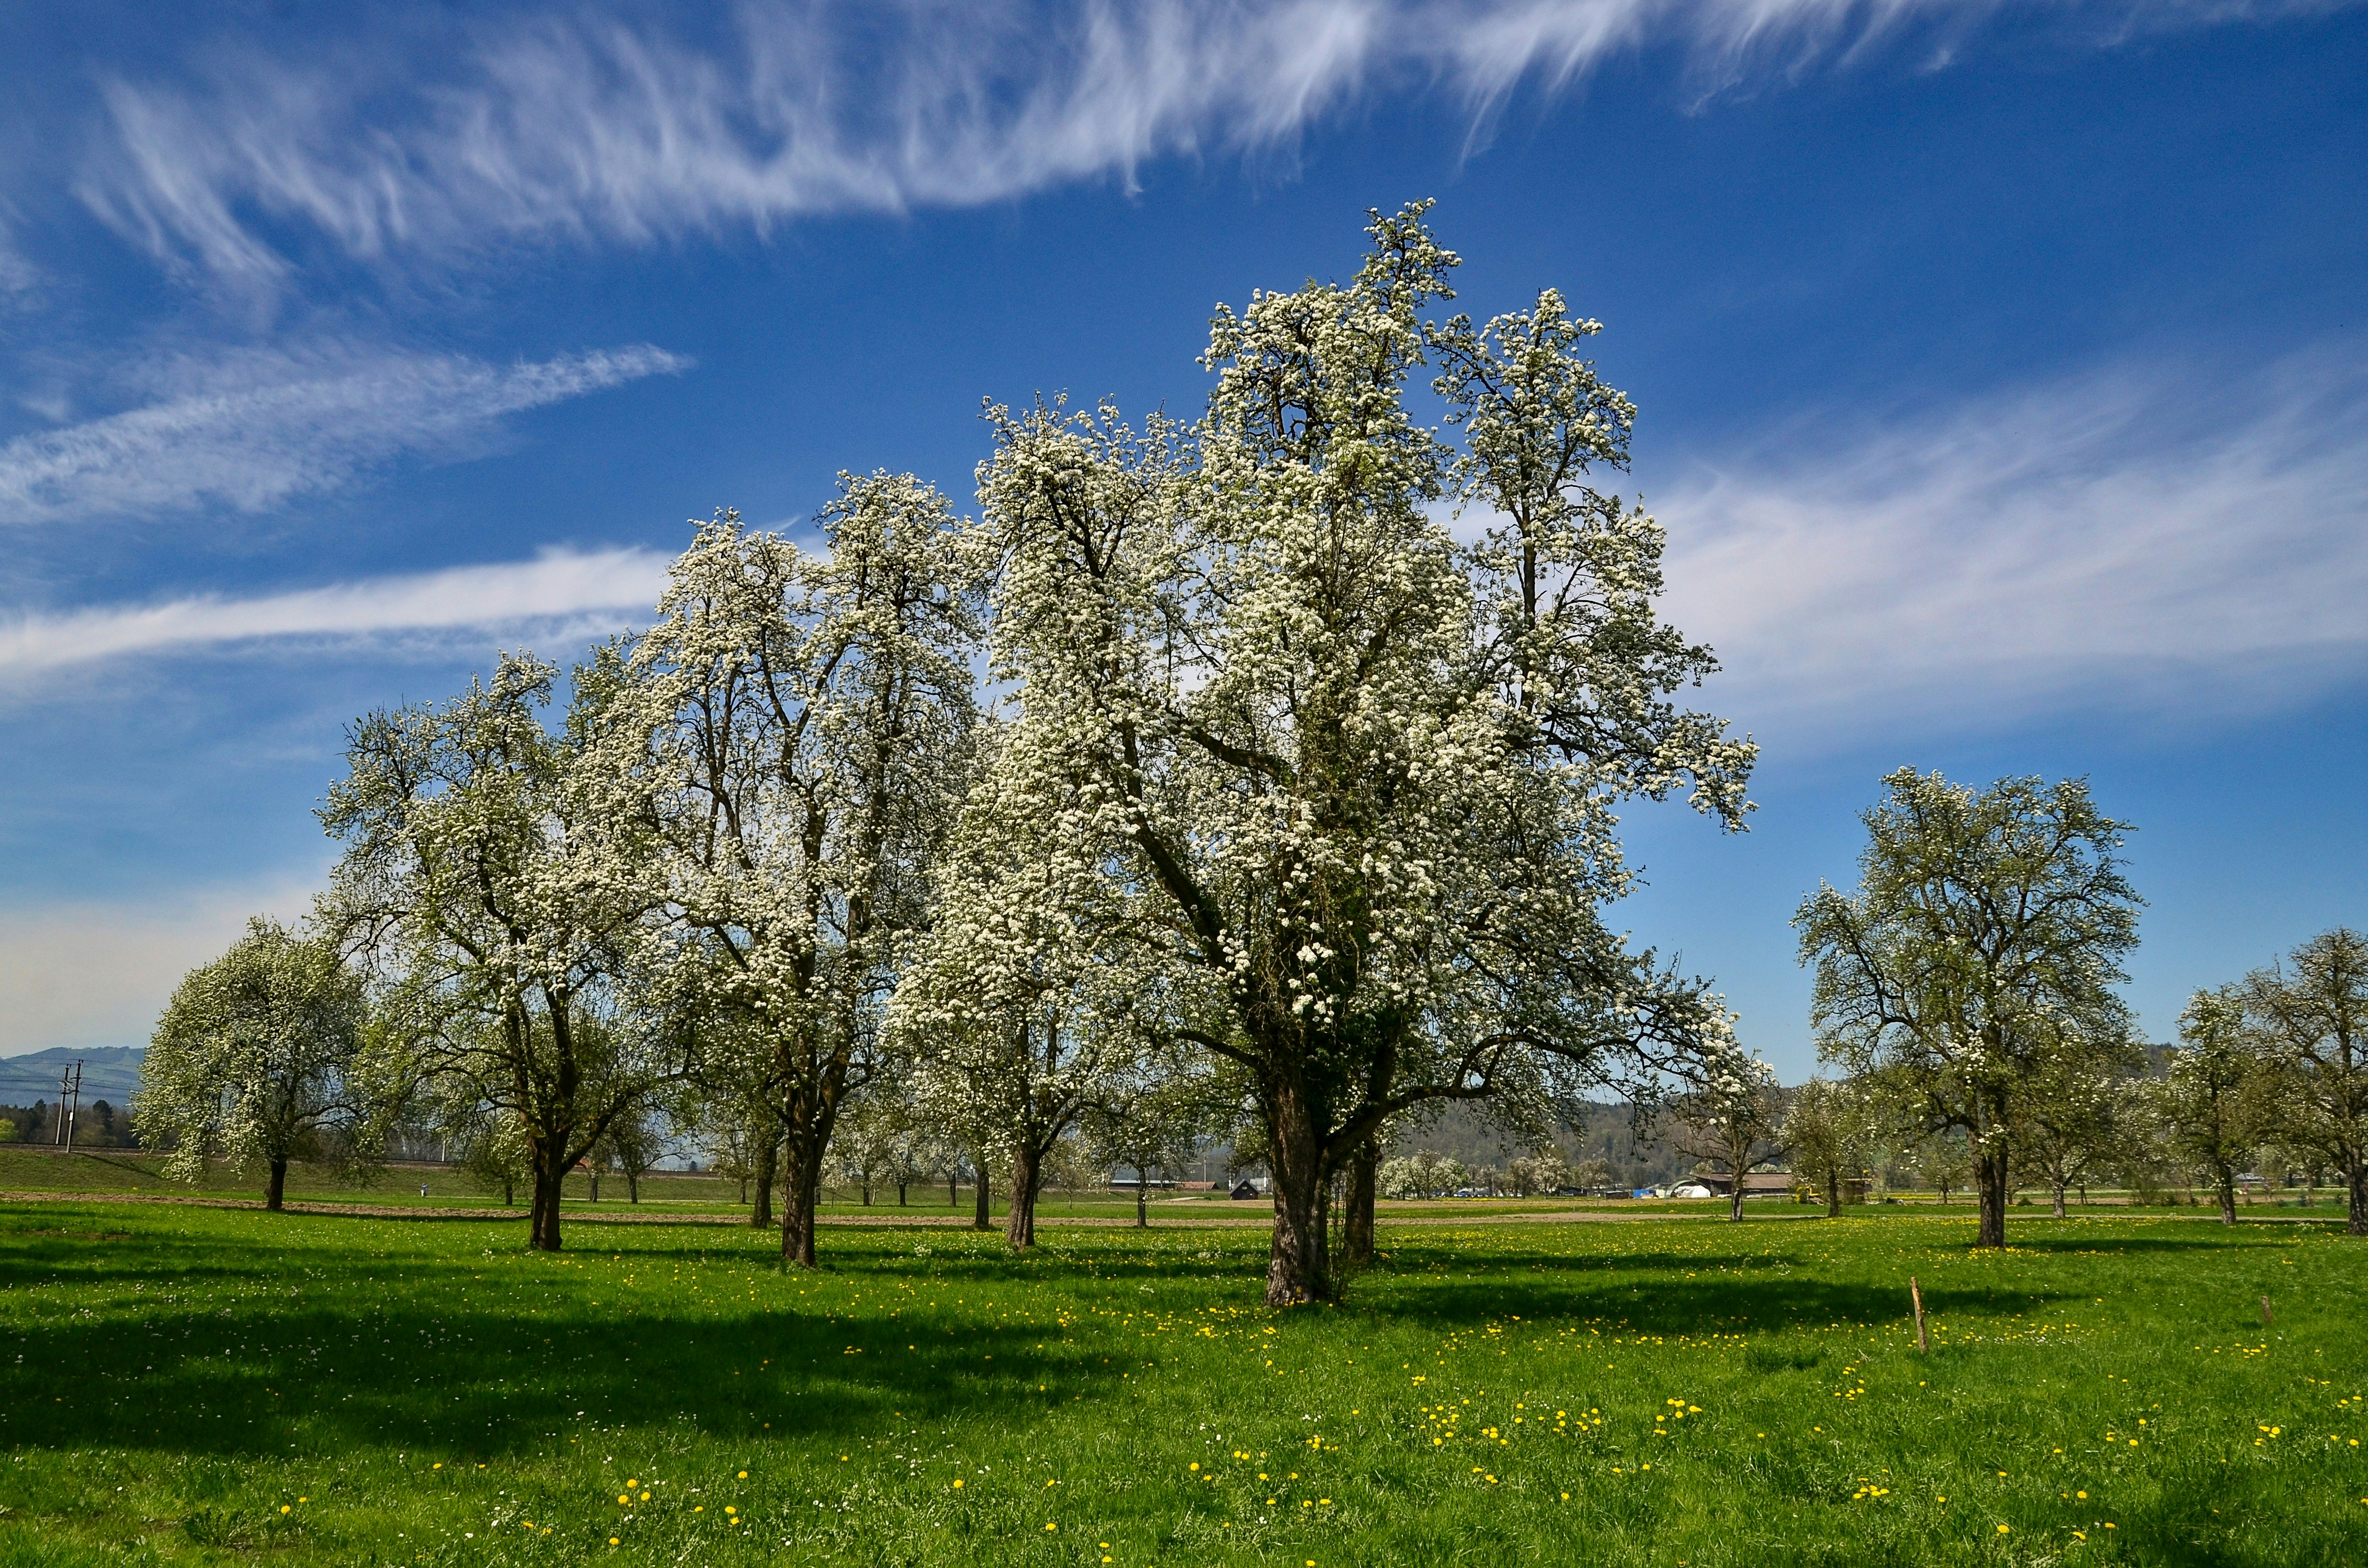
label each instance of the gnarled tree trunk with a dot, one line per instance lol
(1299, 1267)
(550, 1182)
(800, 1189)
(768, 1157)
(2055, 1195)
(1357, 1224)
(1027, 1175)
(982, 1215)
(2355, 1182)
(1833, 1193)
(1989, 1184)
(276, 1188)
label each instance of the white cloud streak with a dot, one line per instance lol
(572, 592)
(2149, 542)
(256, 430)
(580, 127)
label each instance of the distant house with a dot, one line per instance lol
(1756, 1184)
(1249, 1187)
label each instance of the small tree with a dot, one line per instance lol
(863, 1151)
(255, 1060)
(1021, 1012)
(1155, 1116)
(1944, 1162)
(494, 1153)
(2211, 1103)
(633, 1143)
(2072, 1124)
(2310, 1015)
(1976, 961)
(1530, 1175)
(1728, 1115)
(1825, 1128)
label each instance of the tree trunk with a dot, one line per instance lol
(866, 1189)
(543, 1221)
(900, 1194)
(2055, 1194)
(596, 1184)
(509, 1191)
(981, 1219)
(276, 1189)
(1142, 1199)
(633, 1187)
(1357, 1225)
(802, 1189)
(768, 1157)
(1734, 1198)
(953, 1190)
(1990, 1181)
(2228, 1199)
(1833, 1193)
(1298, 1267)
(1027, 1173)
(2355, 1182)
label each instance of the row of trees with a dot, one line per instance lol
(1967, 987)
(1293, 799)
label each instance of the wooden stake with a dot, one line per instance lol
(2267, 1321)
(1915, 1296)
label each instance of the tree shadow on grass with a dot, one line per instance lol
(394, 1373)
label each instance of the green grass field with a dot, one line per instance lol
(192, 1385)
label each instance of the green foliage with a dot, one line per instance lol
(255, 1058)
(420, 1393)
(1973, 969)
(2309, 1018)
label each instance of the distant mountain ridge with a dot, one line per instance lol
(109, 1072)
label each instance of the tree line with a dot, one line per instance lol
(1252, 777)
(1266, 760)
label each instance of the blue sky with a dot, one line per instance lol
(2001, 372)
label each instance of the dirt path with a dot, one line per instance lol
(884, 1221)
(889, 1221)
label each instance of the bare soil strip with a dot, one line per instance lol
(918, 1221)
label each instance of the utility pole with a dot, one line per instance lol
(69, 1093)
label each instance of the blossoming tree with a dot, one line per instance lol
(1024, 1012)
(1347, 778)
(793, 733)
(257, 1059)
(483, 886)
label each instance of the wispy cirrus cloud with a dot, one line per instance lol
(582, 126)
(569, 594)
(2148, 540)
(254, 430)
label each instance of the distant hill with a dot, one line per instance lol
(109, 1072)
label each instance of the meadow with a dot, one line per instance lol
(186, 1385)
